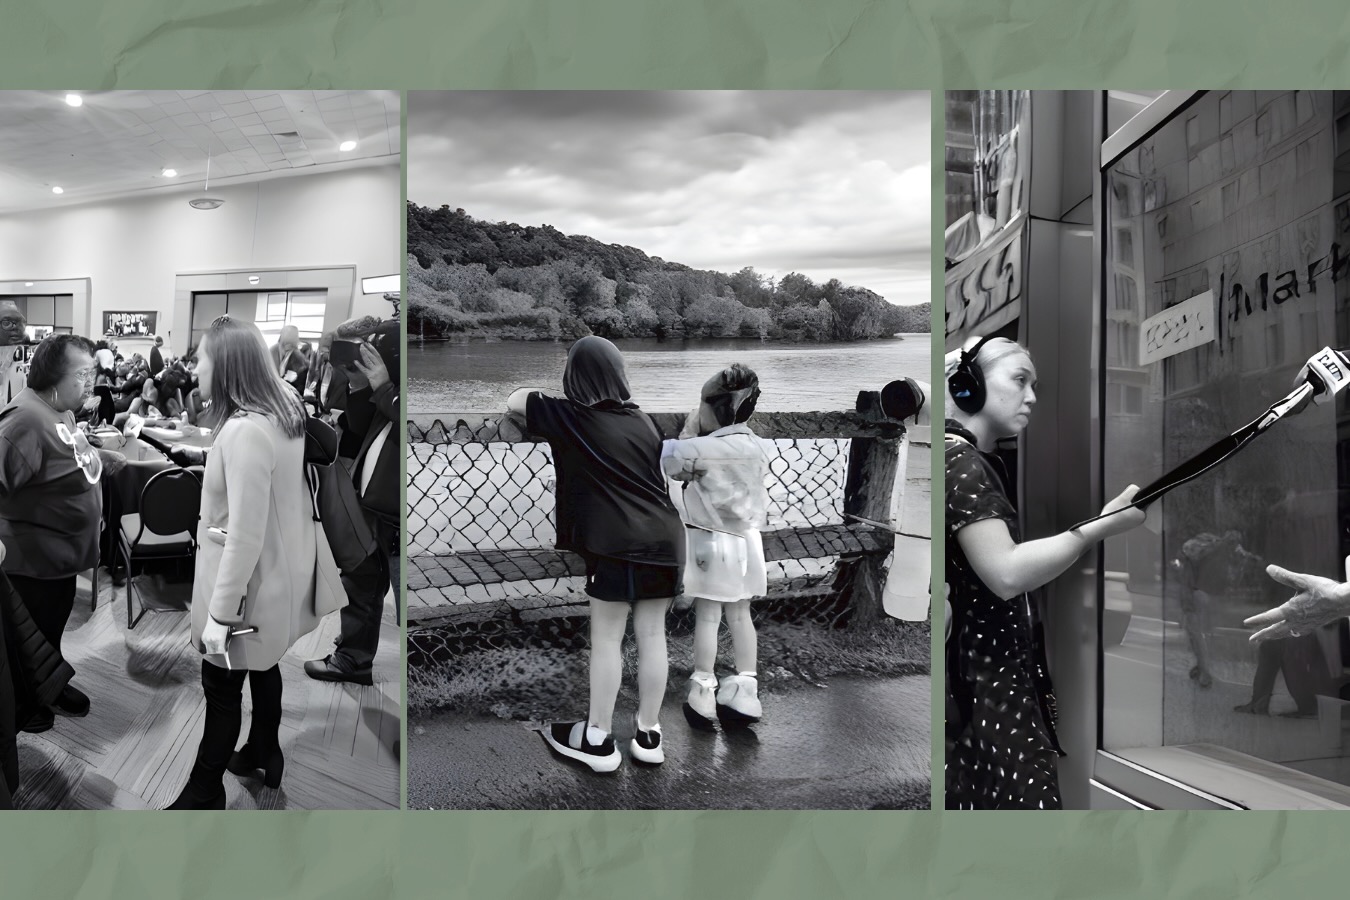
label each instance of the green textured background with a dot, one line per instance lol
(1130, 44)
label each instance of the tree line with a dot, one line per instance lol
(468, 277)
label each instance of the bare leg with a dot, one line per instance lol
(707, 621)
(1195, 623)
(649, 624)
(743, 635)
(609, 620)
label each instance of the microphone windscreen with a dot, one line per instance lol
(1330, 369)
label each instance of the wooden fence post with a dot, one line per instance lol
(873, 466)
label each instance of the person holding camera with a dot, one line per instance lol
(361, 365)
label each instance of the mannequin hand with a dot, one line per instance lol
(214, 636)
(1319, 601)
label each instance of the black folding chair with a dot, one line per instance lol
(164, 528)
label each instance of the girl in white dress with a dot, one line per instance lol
(723, 467)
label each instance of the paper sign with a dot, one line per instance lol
(1187, 325)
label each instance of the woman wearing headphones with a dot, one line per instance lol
(1001, 746)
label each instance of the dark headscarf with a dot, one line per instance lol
(595, 373)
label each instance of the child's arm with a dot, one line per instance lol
(516, 402)
(679, 459)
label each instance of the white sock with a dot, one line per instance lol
(595, 734)
(705, 679)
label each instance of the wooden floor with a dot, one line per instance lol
(135, 748)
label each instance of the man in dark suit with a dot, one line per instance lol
(372, 416)
(290, 360)
(156, 357)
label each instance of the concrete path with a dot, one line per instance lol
(857, 743)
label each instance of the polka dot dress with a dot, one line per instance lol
(1001, 748)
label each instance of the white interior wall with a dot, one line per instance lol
(131, 249)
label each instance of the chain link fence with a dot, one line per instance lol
(496, 615)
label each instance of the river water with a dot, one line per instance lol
(665, 377)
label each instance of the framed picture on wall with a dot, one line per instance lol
(129, 324)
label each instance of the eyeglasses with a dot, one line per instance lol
(220, 320)
(84, 376)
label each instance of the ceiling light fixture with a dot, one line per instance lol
(28, 284)
(347, 146)
(253, 279)
(170, 173)
(74, 100)
(58, 190)
(206, 202)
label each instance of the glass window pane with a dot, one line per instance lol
(65, 313)
(206, 308)
(982, 159)
(243, 306)
(1257, 227)
(42, 311)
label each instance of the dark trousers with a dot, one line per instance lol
(366, 587)
(1303, 665)
(49, 602)
(224, 689)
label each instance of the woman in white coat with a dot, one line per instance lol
(256, 559)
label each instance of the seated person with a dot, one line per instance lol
(193, 405)
(153, 404)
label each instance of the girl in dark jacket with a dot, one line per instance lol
(613, 510)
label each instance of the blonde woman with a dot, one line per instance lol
(253, 591)
(1001, 746)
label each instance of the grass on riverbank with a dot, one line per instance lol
(551, 681)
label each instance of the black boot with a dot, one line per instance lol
(246, 761)
(192, 797)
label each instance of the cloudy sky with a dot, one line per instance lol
(831, 184)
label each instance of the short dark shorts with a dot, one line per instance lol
(621, 581)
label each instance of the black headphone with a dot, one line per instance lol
(966, 384)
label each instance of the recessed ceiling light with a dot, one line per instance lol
(28, 284)
(253, 279)
(74, 100)
(170, 173)
(58, 190)
(347, 146)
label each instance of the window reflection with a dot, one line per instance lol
(1245, 195)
